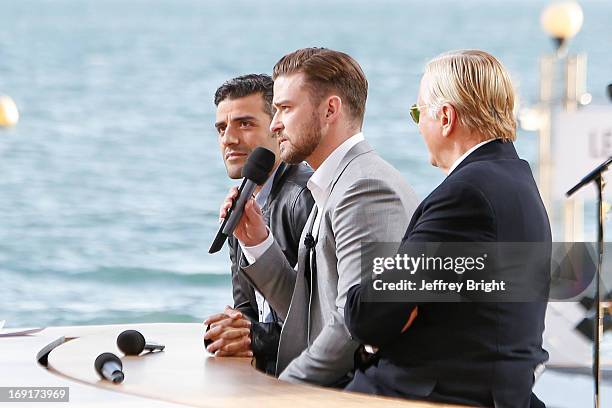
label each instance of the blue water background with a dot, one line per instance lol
(110, 184)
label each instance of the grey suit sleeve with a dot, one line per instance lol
(274, 277)
(369, 210)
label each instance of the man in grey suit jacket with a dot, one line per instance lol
(320, 96)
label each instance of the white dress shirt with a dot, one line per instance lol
(319, 185)
(466, 154)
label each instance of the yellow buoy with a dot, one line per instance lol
(9, 115)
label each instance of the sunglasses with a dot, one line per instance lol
(415, 112)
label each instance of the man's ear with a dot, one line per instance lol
(333, 106)
(448, 119)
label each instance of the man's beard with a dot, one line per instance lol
(301, 146)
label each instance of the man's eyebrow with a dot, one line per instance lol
(236, 119)
(243, 118)
(281, 102)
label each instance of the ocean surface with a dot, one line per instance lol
(110, 183)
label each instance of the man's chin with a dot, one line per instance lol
(234, 172)
(290, 158)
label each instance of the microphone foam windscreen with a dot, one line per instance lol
(131, 342)
(259, 165)
(105, 358)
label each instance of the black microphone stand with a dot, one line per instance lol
(596, 176)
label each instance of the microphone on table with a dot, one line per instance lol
(109, 367)
(132, 343)
(255, 172)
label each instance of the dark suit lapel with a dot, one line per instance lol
(281, 172)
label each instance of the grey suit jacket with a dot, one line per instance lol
(368, 201)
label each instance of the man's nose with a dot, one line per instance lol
(276, 125)
(230, 136)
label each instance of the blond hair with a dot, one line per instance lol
(476, 84)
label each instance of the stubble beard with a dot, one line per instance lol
(304, 142)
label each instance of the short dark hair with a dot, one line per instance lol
(328, 71)
(246, 85)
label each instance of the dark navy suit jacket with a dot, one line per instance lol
(480, 353)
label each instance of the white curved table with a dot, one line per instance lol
(186, 374)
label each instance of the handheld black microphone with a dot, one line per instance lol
(109, 367)
(255, 172)
(132, 343)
